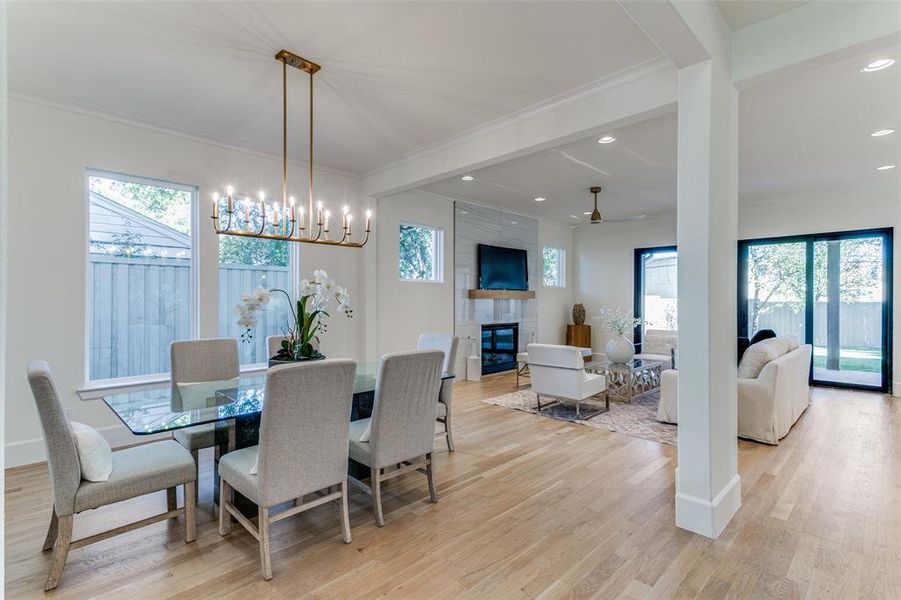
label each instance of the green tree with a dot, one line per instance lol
(417, 252)
(252, 251)
(551, 266)
(169, 206)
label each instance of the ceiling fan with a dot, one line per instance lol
(596, 217)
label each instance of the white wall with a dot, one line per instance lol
(405, 309)
(50, 148)
(605, 254)
(555, 304)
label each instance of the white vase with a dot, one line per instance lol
(619, 349)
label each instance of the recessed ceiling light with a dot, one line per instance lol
(467, 178)
(574, 216)
(539, 199)
(882, 132)
(878, 65)
(587, 213)
(464, 212)
(885, 167)
(512, 222)
(607, 139)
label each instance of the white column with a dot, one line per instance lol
(708, 488)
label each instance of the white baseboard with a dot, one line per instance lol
(705, 517)
(31, 451)
(896, 389)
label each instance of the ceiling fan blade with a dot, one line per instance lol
(625, 219)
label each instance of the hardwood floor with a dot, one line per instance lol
(529, 507)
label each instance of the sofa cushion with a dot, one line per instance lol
(758, 355)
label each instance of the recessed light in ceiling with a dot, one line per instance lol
(574, 216)
(878, 65)
(467, 178)
(885, 167)
(512, 222)
(882, 132)
(539, 199)
(607, 139)
(464, 212)
(587, 213)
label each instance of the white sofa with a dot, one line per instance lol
(660, 345)
(769, 404)
(559, 372)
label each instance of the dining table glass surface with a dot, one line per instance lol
(159, 410)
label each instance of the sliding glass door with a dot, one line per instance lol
(655, 290)
(833, 291)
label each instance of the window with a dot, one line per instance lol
(420, 253)
(140, 274)
(244, 265)
(555, 267)
(831, 290)
(655, 289)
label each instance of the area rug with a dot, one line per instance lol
(638, 419)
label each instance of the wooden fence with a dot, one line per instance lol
(139, 306)
(860, 327)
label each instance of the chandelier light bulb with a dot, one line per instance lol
(229, 190)
(261, 195)
(291, 200)
(215, 196)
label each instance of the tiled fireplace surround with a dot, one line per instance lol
(479, 225)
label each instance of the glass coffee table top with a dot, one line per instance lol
(636, 364)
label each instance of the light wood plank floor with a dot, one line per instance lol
(530, 507)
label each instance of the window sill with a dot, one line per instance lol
(95, 390)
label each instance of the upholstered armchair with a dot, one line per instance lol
(559, 372)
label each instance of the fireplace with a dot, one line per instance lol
(500, 343)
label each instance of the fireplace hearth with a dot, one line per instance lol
(500, 343)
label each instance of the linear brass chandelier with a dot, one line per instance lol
(286, 222)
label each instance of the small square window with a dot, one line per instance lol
(420, 253)
(554, 267)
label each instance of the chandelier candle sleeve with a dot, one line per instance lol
(284, 224)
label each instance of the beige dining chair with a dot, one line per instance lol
(137, 471)
(274, 344)
(302, 449)
(402, 426)
(196, 361)
(447, 343)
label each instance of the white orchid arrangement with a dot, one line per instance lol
(617, 320)
(308, 320)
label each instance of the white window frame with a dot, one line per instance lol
(561, 267)
(153, 378)
(438, 268)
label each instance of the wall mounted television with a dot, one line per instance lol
(502, 268)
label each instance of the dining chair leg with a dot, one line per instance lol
(171, 499)
(265, 559)
(61, 552)
(50, 540)
(376, 484)
(448, 430)
(190, 517)
(345, 515)
(429, 472)
(225, 517)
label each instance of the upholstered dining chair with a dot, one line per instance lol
(447, 343)
(302, 449)
(400, 435)
(197, 361)
(137, 471)
(274, 344)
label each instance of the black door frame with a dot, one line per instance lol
(638, 287)
(809, 239)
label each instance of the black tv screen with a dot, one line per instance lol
(502, 268)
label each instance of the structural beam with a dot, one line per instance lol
(623, 99)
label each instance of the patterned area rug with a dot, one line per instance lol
(638, 419)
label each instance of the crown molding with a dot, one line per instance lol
(593, 88)
(124, 119)
(496, 207)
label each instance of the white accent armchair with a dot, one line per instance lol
(559, 371)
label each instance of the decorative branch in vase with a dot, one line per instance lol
(619, 348)
(308, 319)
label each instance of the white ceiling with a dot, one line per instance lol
(799, 133)
(741, 13)
(397, 76)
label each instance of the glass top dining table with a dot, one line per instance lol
(158, 410)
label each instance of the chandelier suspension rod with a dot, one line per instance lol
(311, 148)
(284, 132)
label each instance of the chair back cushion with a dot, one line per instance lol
(94, 453)
(445, 342)
(65, 471)
(403, 413)
(202, 360)
(274, 344)
(552, 355)
(303, 428)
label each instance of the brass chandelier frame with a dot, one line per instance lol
(291, 224)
